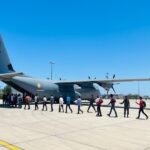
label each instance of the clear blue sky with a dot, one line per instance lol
(82, 37)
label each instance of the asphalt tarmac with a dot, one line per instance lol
(40, 130)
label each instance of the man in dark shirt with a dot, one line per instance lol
(112, 102)
(52, 99)
(126, 103)
(92, 100)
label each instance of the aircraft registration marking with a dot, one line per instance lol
(9, 146)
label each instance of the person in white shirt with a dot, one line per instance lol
(44, 103)
(61, 104)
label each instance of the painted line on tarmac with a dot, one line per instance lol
(9, 146)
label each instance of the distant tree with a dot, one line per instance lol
(133, 96)
(7, 90)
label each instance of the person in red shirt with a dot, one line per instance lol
(141, 108)
(99, 102)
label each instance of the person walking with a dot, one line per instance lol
(61, 104)
(126, 103)
(27, 101)
(44, 103)
(11, 100)
(36, 100)
(141, 108)
(4, 99)
(15, 100)
(19, 100)
(92, 100)
(112, 102)
(99, 102)
(52, 99)
(79, 103)
(68, 102)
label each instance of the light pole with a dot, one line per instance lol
(138, 88)
(51, 63)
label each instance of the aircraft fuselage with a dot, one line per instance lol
(47, 88)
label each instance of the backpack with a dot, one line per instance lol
(99, 102)
(113, 101)
(144, 104)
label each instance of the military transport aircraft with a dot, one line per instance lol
(29, 85)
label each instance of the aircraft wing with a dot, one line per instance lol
(106, 84)
(89, 82)
(9, 75)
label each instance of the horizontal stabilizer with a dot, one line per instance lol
(10, 75)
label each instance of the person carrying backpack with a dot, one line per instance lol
(142, 105)
(99, 102)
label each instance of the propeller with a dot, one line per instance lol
(112, 86)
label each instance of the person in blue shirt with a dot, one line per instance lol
(68, 102)
(79, 102)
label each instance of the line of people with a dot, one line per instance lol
(52, 101)
(14, 100)
(99, 101)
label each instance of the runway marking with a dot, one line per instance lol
(9, 146)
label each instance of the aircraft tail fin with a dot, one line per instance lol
(5, 64)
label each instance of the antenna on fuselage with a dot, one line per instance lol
(107, 75)
(114, 76)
